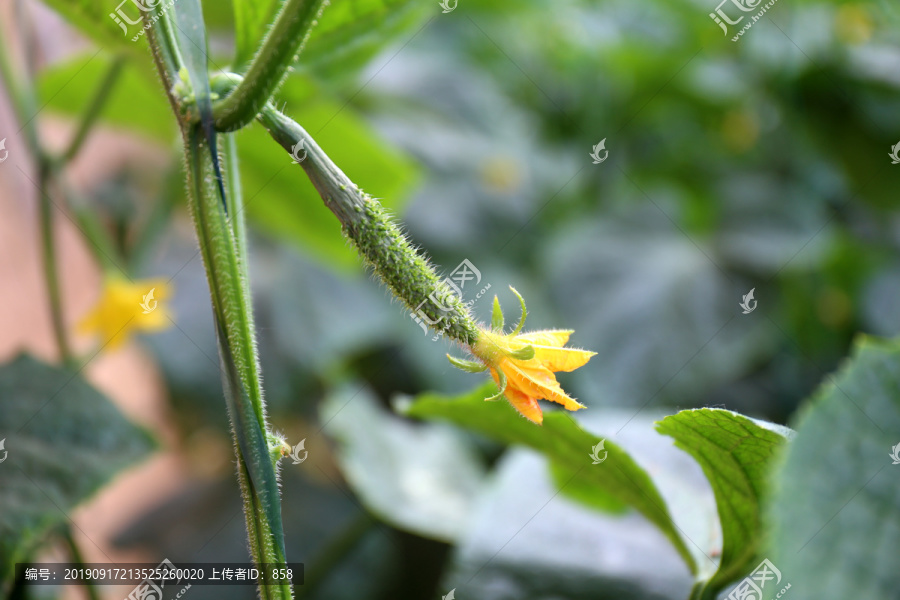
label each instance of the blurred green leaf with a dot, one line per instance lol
(109, 24)
(280, 199)
(565, 551)
(351, 32)
(737, 455)
(251, 18)
(64, 440)
(835, 509)
(566, 445)
(137, 102)
(419, 478)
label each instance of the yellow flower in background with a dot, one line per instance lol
(126, 307)
(853, 24)
(523, 364)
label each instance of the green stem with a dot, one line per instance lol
(156, 222)
(270, 66)
(99, 240)
(78, 559)
(232, 311)
(23, 103)
(164, 51)
(376, 236)
(703, 591)
(235, 196)
(51, 273)
(229, 290)
(94, 108)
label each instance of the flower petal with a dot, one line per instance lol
(560, 359)
(155, 320)
(526, 405)
(539, 382)
(548, 337)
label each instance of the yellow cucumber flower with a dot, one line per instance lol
(126, 307)
(522, 364)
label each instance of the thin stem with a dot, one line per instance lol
(99, 241)
(94, 108)
(703, 591)
(51, 273)
(75, 553)
(270, 66)
(155, 224)
(23, 103)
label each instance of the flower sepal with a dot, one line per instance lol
(469, 366)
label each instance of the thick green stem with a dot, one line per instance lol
(223, 250)
(270, 65)
(229, 290)
(376, 236)
(94, 108)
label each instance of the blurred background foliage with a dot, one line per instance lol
(757, 164)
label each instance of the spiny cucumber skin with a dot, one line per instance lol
(406, 272)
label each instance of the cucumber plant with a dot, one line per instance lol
(751, 466)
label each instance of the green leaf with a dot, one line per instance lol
(835, 508)
(736, 455)
(281, 200)
(351, 32)
(250, 20)
(94, 19)
(423, 479)
(136, 102)
(566, 445)
(64, 441)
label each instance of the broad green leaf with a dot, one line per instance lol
(62, 440)
(560, 553)
(736, 455)
(351, 32)
(251, 18)
(137, 102)
(423, 479)
(112, 24)
(279, 197)
(835, 509)
(566, 445)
